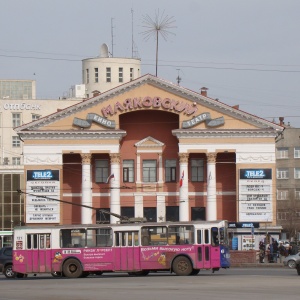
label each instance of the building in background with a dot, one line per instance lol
(14, 112)
(104, 72)
(17, 89)
(288, 182)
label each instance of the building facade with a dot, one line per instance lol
(17, 89)
(13, 113)
(288, 182)
(151, 149)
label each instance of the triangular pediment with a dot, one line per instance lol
(149, 142)
(101, 113)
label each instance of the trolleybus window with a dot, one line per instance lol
(180, 234)
(154, 235)
(32, 241)
(214, 236)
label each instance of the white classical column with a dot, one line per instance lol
(211, 203)
(183, 190)
(115, 187)
(138, 168)
(86, 186)
(160, 168)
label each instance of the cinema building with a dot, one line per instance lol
(152, 149)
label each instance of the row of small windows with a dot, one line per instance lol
(16, 119)
(284, 173)
(284, 194)
(286, 215)
(149, 170)
(283, 152)
(108, 74)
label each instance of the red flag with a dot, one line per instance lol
(110, 177)
(181, 179)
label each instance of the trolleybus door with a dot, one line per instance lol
(39, 253)
(127, 252)
(203, 249)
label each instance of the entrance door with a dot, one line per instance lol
(127, 251)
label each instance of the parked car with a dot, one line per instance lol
(6, 260)
(292, 260)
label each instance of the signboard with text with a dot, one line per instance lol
(42, 186)
(255, 195)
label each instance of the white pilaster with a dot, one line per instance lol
(138, 168)
(161, 208)
(211, 203)
(160, 168)
(183, 190)
(86, 199)
(115, 187)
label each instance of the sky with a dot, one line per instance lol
(246, 52)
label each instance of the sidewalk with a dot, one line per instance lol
(258, 265)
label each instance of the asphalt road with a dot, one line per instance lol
(235, 283)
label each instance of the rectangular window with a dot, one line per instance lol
(16, 161)
(154, 235)
(282, 152)
(172, 213)
(127, 211)
(180, 235)
(297, 152)
(197, 166)
(99, 237)
(35, 117)
(16, 120)
(282, 215)
(282, 194)
(72, 238)
(87, 75)
(131, 74)
(128, 170)
(282, 173)
(150, 214)
(297, 173)
(96, 75)
(297, 194)
(170, 170)
(120, 74)
(101, 170)
(16, 142)
(149, 170)
(108, 74)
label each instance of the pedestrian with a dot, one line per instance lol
(262, 252)
(275, 251)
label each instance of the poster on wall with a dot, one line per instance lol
(255, 195)
(40, 186)
(248, 242)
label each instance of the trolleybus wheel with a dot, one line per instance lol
(8, 272)
(195, 272)
(182, 266)
(72, 268)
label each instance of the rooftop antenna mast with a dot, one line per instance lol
(160, 25)
(112, 37)
(132, 33)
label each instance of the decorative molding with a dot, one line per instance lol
(115, 158)
(154, 143)
(211, 157)
(43, 160)
(86, 158)
(78, 134)
(183, 157)
(224, 133)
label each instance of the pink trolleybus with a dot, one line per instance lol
(79, 250)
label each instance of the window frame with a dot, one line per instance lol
(101, 171)
(196, 171)
(149, 171)
(282, 173)
(171, 171)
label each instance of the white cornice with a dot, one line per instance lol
(225, 133)
(81, 135)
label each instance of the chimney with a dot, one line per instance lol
(236, 106)
(281, 121)
(204, 91)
